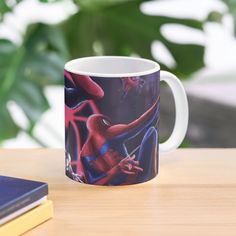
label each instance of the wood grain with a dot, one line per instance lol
(194, 194)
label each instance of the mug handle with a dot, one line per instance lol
(181, 109)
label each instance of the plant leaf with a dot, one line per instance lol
(7, 6)
(122, 29)
(232, 9)
(25, 70)
(98, 4)
(8, 128)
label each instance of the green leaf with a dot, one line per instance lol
(122, 29)
(215, 16)
(189, 58)
(31, 99)
(7, 6)
(8, 128)
(232, 9)
(91, 5)
(25, 70)
(49, 1)
(4, 7)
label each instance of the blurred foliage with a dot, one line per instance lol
(232, 9)
(215, 16)
(122, 29)
(6, 6)
(101, 27)
(24, 72)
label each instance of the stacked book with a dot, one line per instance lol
(23, 205)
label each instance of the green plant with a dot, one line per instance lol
(232, 10)
(105, 27)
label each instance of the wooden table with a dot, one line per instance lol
(194, 194)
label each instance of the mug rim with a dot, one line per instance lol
(71, 65)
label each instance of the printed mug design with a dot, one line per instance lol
(111, 139)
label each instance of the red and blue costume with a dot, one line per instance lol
(104, 155)
(79, 89)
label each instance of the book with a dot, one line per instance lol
(28, 221)
(22, 211)
(16, 194)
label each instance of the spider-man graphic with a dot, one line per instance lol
(104, 155)
(130, 83)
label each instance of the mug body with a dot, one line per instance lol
(111, 120)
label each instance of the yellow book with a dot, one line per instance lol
(28, 220)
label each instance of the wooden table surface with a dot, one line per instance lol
(194, 194)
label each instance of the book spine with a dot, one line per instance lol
(29, 220)
(25, 200)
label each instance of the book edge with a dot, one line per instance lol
(29, 220)
(34, 195)
(22, 210)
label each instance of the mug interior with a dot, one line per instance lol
(112, 66)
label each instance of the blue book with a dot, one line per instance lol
(17, 194)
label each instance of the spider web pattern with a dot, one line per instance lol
(76, 131)
(75, 119)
